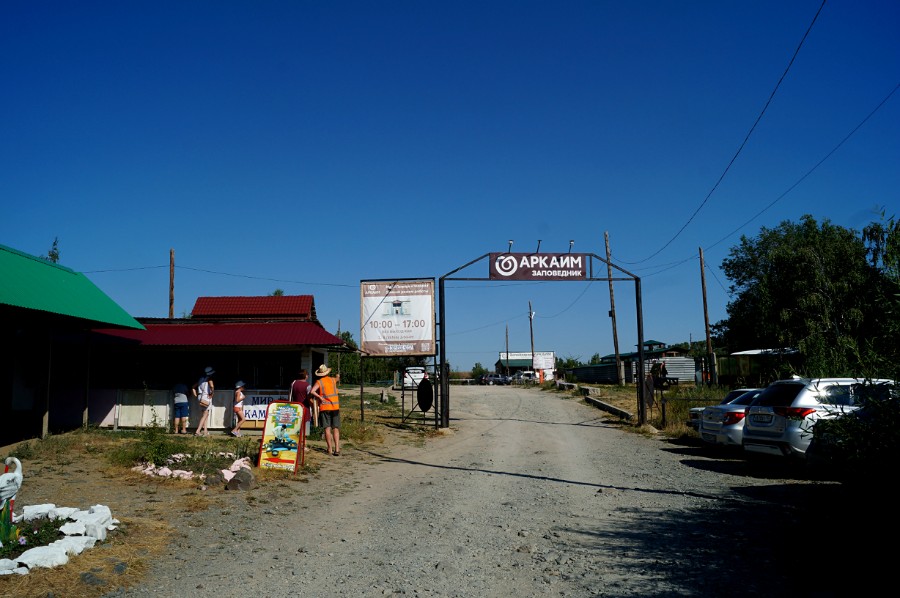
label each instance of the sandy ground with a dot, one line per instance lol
(529, 493)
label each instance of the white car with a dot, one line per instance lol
(724, 424)
(695, 414)
(524, 377)
(780, 421)
(413, 376)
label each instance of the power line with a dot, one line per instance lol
(740, 148)
(670, 265)
(231, 274)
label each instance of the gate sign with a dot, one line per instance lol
(538, 266)
(397, 317)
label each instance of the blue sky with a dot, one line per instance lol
(309, 145)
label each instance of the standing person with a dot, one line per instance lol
(182, 409)
(300, 394)
(238, 407)
(325, 390)
(649, 392)
(203, 389)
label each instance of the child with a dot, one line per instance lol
(238, 407)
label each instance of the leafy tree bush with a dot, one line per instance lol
(808, 286)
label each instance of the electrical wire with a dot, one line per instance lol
(789, 189)
(740, 148)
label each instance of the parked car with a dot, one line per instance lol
(695, 413)
(780, 421)
(413, 376)
(492, 379)
(861, 442)
(524, 377)
(723, 424)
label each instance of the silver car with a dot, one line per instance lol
(695, 413)
(723, 424)
(781, 419)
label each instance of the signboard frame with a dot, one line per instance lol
(397, 317)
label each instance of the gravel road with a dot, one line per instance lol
(529, 493)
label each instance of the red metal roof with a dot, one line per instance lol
(291, 306)
(230, 334)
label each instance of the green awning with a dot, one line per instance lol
(33, 283)
(515, 363)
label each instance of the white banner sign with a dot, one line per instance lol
(397, 317)
(255, 405)
(543, 360)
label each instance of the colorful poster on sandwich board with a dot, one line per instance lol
(284, 437)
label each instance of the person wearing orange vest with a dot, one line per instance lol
(325, 391)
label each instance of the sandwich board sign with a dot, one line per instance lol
(284, 437)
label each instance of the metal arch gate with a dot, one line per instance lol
(444, 386)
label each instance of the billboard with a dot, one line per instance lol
(543, 360)
(397, 317)
(538, 266)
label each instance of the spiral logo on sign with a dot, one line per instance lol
(506, 265)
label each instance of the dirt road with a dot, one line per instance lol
(530, 493)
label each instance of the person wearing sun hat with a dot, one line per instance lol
(325, 391)
(238, 407)
(203, 389)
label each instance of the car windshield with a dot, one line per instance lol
(734, 394)
(779, 395)
(746, 398)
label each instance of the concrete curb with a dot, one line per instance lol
(586, 393)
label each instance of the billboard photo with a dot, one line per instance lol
(397, 317)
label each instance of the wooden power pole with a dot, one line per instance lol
(612, 314)
(531, 330)
(171, 283)
(507, 350)
(710, 358)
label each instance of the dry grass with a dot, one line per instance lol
(121, 561)
(625, 398)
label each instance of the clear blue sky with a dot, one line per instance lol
(309, 145)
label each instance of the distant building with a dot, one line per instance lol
(679, 367)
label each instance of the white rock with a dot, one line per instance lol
(61, 512)
(17, 570)
(73, 528)
(75, 545)
(101, 509)
(43, 556)
(7, 566)
(37, 511)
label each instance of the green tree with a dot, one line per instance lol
(277, 293)
(595, 359)
(882, 240)
(806, 286)
(478, 370)
(53, 255)
(568, 362)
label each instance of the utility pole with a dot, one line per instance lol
(171, 283)
(531, 329)
(507, 350)
(710, 357)
(620, 374)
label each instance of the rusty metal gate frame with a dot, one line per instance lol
(443, 388)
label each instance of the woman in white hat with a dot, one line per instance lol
(238, 407)
(203, 390)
